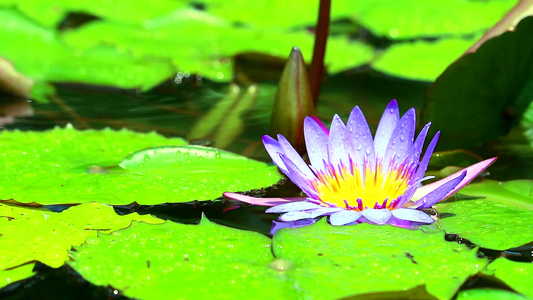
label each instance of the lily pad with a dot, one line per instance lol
(421, 60)
(28, 234)
(483, 294)
(65, 166)
(517, 275)
(494, 84)
(171, 261)
(40, 54)
(16, 274)
(334, 262)
(501, 220)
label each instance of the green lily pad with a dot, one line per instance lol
(63, 166)
(517, 275)
(495, 83)
(421, 60)
(483, 294)
(334, 262)
(212, 57)
(28, 234)
(13, 275)
(410, 18)
(501, 220)
(40, 54)
(171, 261)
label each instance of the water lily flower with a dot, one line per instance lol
(355, 177)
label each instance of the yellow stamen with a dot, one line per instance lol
(336, 186)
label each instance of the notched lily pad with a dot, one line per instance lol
(517, 275)
(16, 274)
(335, 262)
(500, 220)
(171, 260)
(38, 234)
(65, 166)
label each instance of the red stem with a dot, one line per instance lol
(319, 50)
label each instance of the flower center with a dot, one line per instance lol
(361, 189)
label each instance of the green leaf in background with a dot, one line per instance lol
(334, 262)
(421, 60)
(485, 92)
(501, 220)
(517, 275)
(40, 235)
(16, 274)
(405, 19)
(63, 166)
(208, 44)
(40, 54)
(483, 294)
(170, 261)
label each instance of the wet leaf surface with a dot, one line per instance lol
(518, 276)
(499, 220)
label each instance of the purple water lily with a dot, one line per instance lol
(355, 177)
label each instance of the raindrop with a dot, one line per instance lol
(146, 157)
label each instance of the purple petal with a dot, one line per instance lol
(293, 156)
(273, 148)
(320, 124)
(439, 193)
(412, 215)
(386, 126)
(400, 223)
(401, 141)
(471, 173)
(293, 206)
(359, 139)
(294, 224)
(378, 216)
(337, 143)
(262, 201)
(299, 178)
(324, 211)
(316, 143)
(422, 167)
(344, 217)
(295, 215)
(419, 143)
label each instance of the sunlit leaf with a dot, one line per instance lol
(16, 274)
(39, 53)
(517, 275)
(500, 220)
(40, 235)
(334, 262)
(170, 261)
(68, 166)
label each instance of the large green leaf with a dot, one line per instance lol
(40, 54)
(334, 262)
(501, 220)
(170, 261)
(28, 234)
(63, 166)
(517, 275)
(482, 91)
(483, 294)
(208, 44)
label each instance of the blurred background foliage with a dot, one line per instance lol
(178, 66)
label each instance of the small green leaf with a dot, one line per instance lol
(171, 261)
(483, 294)
(16, 274)
(517, 275)
(501, 220)
(40, 235)
(334, 262)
